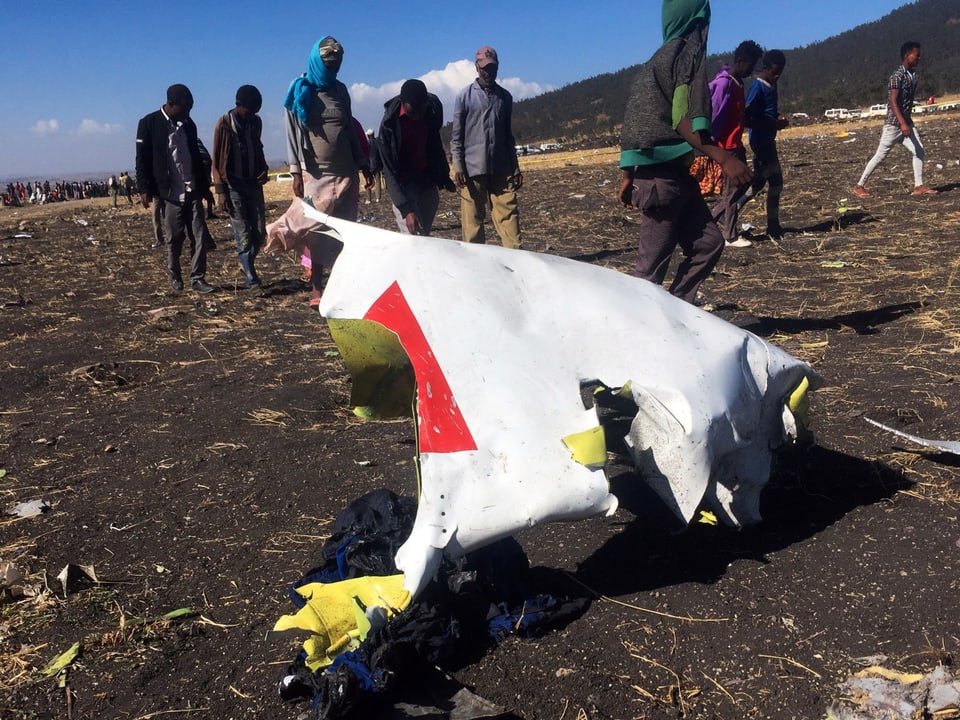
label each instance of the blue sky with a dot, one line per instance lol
(78, 76)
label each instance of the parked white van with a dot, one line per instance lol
(878, 110)
(837, 113)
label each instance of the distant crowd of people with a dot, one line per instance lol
(18, 194)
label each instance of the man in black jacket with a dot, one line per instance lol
(414, 162)
(170, 167)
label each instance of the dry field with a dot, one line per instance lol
(193, 452)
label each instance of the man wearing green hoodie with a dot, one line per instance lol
(667, 118)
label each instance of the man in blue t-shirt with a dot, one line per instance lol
(763, 119)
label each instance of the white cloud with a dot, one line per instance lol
(446, 83)
(46, 127)
(92, 127)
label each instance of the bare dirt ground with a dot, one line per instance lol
(194, 451)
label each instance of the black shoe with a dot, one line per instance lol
(775, 232)
(253, 283)
(201, 286)
(177, 284)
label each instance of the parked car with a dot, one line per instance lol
(878, 110)
(837, 113)
(800, 116)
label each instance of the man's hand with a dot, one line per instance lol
(736, 170)
(263, 177)
(368, 178)
(222, 203)
(413, 223)
(145, 199)
(518, 180)
(298, 185)
(625, 193)
(905, 129)
(460, 179)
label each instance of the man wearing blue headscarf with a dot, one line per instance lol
(667, 118)
(325, 158)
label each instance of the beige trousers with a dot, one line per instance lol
(500, 194)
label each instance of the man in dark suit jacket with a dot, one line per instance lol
(170, 167)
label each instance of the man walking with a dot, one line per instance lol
(898, 127)
(167, 153)
(762, 116)
(728, 102)
(414, 162)
(667, 118)
(239, 173)
(484, 155)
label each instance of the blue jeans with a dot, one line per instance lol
(248, 219)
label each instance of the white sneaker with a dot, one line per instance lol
(740, 242)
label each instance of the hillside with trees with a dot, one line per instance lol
(846, 70)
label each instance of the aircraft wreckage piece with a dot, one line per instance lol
(493, 346)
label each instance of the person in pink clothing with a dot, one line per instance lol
(728, 101)
(325, 159)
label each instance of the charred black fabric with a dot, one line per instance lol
(475, 602)
(365, 538)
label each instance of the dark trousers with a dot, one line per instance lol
(767, 171)
(183, 220)
(674, 215)
(248, 219)
(727, 210)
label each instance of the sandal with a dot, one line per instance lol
(860, 191)
(923, 190)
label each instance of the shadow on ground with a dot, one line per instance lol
(810, 490)
(863, 322)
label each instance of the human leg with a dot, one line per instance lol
(428, 200)
(912, 143)
(425, 201)
(655, 193)
(176, 231)
(246, 224)
(767, 171)
(193, 207)
(505, 210)
(889, 136)
(339, 197)
(700, 240)
(474, 196)
(774, 190)
(727, 208)
(157, 222)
